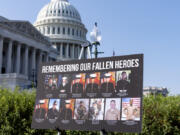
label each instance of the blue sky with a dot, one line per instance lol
(151, 27)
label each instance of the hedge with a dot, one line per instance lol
(161, 115)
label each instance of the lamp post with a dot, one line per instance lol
(96, 37)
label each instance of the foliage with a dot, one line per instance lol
(161, 115)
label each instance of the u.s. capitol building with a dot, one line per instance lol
(57, 34)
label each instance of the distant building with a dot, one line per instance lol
(22, 48)
(155, 91)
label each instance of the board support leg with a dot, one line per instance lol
(103, 132)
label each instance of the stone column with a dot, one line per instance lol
(9, 58)
(51, 30)
(18, 58)
(1, 54)
(34, 59)
(40, 58)
(61, 50)
(26, 66)
(67, 50)
(79, 50)
(73, 51)
(47, 57)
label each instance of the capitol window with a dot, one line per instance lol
(68, 31)
(64, 50)
(80, 33)
(77, 33)
(43, 30)
(64, 30)
(59, 11)
(66, 12)
(58, 30)
(48, 30)
(73, 32)
(53, 30)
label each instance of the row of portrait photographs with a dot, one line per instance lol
(88, 109)
(106, 82)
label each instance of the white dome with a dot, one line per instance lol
(59, 9)
(61, 23)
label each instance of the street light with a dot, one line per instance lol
(96, 37)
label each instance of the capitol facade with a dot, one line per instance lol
(56, 35)
(61, 22)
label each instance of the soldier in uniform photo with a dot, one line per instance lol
(65, 111)
(130, 111)
(122, 83)
(96, 110)
(77, 87)
(40, 113)
(81, 113)
(65, 86)
(112, 113)
(54, 82)
(106, 85)
(92, 87)
(53, 112)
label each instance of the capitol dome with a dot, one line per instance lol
(61, 22)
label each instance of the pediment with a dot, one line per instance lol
(27, 28)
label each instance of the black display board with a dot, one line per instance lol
(90, 94)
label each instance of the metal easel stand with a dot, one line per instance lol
(89, 56)
(85, 45)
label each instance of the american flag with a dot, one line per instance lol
(136, 102)
(113, 53)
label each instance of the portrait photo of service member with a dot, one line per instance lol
(53, 112)
(96, 110)
(107, 82)
(64, 84)
(112, 109)
(131, 109)
(41, 108)
(123, 80)
(81, 109)
(51, 83)
(78, 83)
(92, 82)
(67, 109)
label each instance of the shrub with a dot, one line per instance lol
(161, 115)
